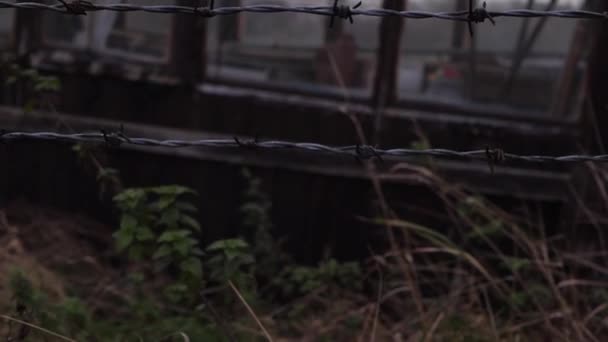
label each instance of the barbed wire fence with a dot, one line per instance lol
(473, 15)
(361, 152)
(342, 11)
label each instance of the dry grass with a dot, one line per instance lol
(497, 277)
(483, 274)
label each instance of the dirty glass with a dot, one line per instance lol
(6, 27)
(139, 35)
(294, 49)
(503, 67)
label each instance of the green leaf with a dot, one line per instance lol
(169, 217)
(216, 246)
(227, 244)
(231, 254)
(123, 239)
(130, 198)
(190, 222)
(192, 266)
(184, 247)
(107, 173)
(10, 80)
(145, 234)
(176, 292)
(173, 235)
(130, 194)
(172, 190)
(162, 251)
(128, 223)
(164, 202)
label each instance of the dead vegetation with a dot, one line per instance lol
(489, 275)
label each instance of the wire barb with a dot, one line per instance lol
(251, 144)
(366, 152)
(478, 15)
(76, 7)
(206, 12)
(494, 156)
(116, 138)
(343, 12)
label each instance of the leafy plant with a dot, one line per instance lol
(157, 224)
(256, 213)
(300, 280)
(70, 316)
(107, 178)
(231, 260)
(39, 84)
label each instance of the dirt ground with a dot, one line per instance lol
(61, 253)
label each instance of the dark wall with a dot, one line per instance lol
(315, 212)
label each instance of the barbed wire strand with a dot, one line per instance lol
(116, 139)
(81, 7)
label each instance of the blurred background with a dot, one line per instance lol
(321, 247)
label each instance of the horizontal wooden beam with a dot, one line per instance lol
(506, 181)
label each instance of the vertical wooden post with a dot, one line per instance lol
(564, 94)
(387, 65)
(460, 29)
(597, 95)
(188, 42)
(229, 25)
(27, 32)
(597, 74)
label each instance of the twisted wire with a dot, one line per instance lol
(360, 152)
(317, 10)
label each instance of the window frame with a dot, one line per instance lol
(376, 102)
(440, 117)
(46, 42)
(383, 92)
(11, 34)
(478, 110)
(329, 92)
(479, 127)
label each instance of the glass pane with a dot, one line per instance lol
(140, 34)
(437, 59)
(294, 49)
(6, 26)
(135, 34)
(65, 30)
